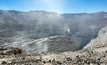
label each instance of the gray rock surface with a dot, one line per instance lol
(32, 25)
(95, 54)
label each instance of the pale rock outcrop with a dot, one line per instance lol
(100, 43)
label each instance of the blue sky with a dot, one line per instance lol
(60, 6)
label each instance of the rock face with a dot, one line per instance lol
(101, 40)
(48, 44)
(30, 31)
(17, 26)
(95, 53)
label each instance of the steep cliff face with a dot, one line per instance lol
(99, 42)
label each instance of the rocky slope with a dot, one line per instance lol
(95, 53)
(50, 33)
(18, 27)
(100, 41)
(48, 44)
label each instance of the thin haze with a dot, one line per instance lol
(60, 6)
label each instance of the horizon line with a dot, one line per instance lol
(50, 11)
